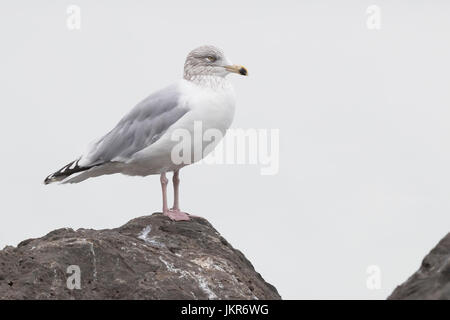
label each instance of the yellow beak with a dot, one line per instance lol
(237, 69)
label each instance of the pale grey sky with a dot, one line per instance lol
(363, 116)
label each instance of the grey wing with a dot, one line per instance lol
(140, 128)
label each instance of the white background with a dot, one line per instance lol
(363, 115)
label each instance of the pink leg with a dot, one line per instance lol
(164, 182)
(174, 213)
(176, 201)
(176, 184)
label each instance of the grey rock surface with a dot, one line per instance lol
(432, 280)
(150, 257)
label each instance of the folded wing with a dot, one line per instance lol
(140, 128)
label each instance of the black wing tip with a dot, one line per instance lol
(65, 172)
(48, 180)
(54, 177)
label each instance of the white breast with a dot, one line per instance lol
(211, 103)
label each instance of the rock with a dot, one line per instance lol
(432, 280)
(150, 257)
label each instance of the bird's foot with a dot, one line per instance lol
(177, 215)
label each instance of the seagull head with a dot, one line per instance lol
(209, 61)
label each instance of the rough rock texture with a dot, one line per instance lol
(432, 280)
(148, 258)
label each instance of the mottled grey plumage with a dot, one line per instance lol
(140, 128)
(204, 60)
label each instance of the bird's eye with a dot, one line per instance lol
(211, 58)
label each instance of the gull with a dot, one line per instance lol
(142, 143)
